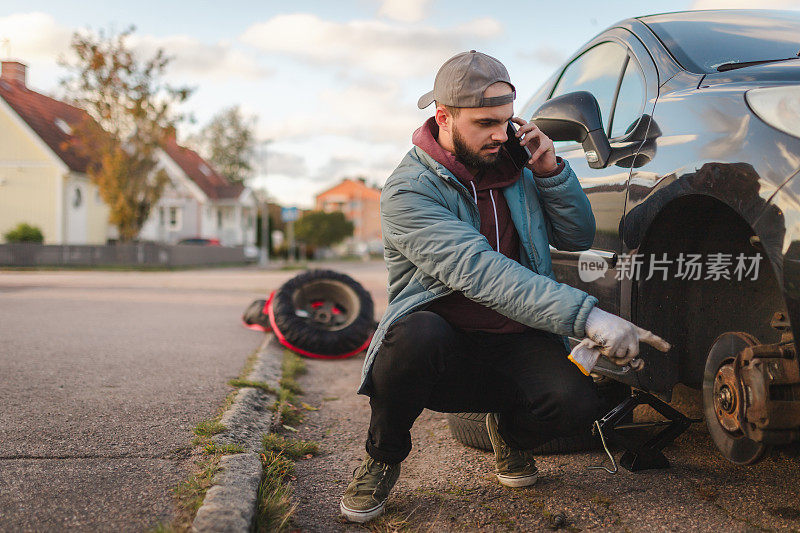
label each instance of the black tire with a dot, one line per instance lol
(324, 313)
(470, 428)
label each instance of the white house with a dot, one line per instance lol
(199, 202)
(43, 180)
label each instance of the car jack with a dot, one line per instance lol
(640, 455)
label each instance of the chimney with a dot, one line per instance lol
(13, 71)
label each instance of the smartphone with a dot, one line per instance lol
(520, 155)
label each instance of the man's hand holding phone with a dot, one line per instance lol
(543, 153)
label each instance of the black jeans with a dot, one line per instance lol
(525, 378)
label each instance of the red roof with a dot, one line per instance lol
(41, 113)
(216, 186)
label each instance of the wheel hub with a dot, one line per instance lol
(324, 313)
(722, 400)
(726, 401)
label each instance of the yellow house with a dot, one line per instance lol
(42, 181)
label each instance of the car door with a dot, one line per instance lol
(616, 68)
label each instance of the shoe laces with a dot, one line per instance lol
(363, 481)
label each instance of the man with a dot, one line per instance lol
(476, 321)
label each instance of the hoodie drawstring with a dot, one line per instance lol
(494, 208)
(496, 222)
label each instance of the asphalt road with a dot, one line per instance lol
(103, 375)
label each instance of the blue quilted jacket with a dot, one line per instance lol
(433, 246)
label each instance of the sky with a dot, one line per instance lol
(333, 85)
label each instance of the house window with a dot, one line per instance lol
(175, 218)
(63, 126)
(219, 218)
(77, 198)
(161, 216)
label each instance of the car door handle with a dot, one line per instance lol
(573, 257)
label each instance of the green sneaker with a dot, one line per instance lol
(367, 493)
(515, 468)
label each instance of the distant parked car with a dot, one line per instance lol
(199, 241)
(684, 130)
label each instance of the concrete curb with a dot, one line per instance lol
(230, 504)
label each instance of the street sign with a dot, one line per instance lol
(289, 214)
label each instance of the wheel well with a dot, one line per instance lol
(690, 314)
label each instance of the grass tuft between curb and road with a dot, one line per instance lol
(190, 493)
(269, 372)
(274, 501)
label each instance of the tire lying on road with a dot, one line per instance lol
(323, 314)
(470, 428)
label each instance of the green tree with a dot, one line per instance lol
(130, 113)
(318, 228)
(228, 142)
(24, 232)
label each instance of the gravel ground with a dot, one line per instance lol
(445, 486)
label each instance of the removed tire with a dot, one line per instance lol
(470, 428)
(323, 314)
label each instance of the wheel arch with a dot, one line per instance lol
(690, 314)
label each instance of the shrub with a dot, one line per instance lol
(24, 233)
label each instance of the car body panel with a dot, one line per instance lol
(702, 140)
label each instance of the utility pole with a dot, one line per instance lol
(263, 258)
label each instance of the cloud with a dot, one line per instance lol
(291, 165)
(545, 55)
(745, 4)
(351, 167)
(197, 59)
(33, 36)
(387, 49)
(368, 113)
(404, 10)
(359, 111)
(288, 191)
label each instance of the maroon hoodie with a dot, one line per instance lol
(496, 225)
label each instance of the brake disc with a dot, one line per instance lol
(723, 402)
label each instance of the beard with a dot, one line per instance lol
(471, 158)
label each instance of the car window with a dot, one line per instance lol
(597, 70)
(535, 101)
(630, 100)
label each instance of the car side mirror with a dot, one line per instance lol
(576, 117)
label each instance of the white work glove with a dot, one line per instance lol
(586, 353)
(619, 339)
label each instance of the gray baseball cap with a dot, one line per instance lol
(462, 80)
